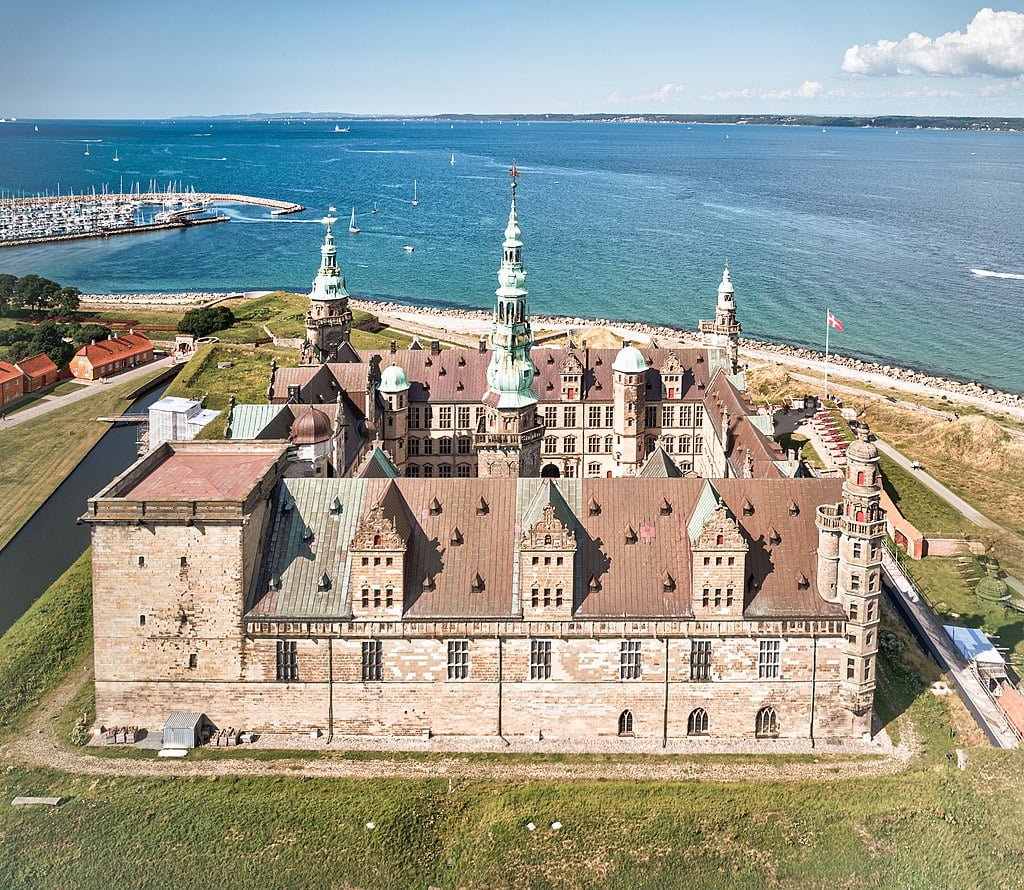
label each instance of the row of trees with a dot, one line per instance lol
(35, 293)
(58, 341)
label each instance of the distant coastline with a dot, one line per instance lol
(885, 121)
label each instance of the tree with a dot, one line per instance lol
(34, 292)
(203, 322)
(66, 301)
(7, 283)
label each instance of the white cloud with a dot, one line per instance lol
(993, 45)
(809, 89)
(663, 94)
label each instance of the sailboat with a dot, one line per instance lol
(352, 227)
(338, 129)
(415, 200)
(87, 151)
(116, 158)
(453, 160)
(374, 207)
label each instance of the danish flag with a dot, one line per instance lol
(834, 322)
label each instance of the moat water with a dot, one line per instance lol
(628, 221)
(51, 540)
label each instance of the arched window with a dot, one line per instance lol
(698, 722)
(767, 723)
(860, 516)
(626, 723)
(860, 477)
(377, 540)
(547, 540)
(720, 539)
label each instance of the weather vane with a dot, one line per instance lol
(514, 173)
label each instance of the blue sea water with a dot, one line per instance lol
(622, 221)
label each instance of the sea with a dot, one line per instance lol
(622, 221)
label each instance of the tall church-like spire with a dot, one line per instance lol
(329, 319)
(724, 332)
(510, 373)
(509, 436)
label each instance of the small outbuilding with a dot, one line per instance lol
(184, 730)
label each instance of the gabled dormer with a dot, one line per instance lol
(571, 373)
(672, 372)
(718, 558)
(377, 559)
(547, 557)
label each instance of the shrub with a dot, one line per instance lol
(203, 322)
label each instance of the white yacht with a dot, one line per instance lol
(415, 200)
(352, 227)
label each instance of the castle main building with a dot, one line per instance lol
(532, 544)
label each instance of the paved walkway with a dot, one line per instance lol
(91, 388)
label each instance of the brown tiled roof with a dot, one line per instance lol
(37, 365)
(744, 436)
(1011, 703)
(632, 534)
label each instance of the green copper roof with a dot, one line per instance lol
(393, 379)
(630, 360)
(248, 421)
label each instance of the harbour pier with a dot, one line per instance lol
(42, 219)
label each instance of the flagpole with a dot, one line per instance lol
(827, 326)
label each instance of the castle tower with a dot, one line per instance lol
(629, 395)
(724, 332)
(329, 319)
(862, 532)
(509, 437)
(394, 390)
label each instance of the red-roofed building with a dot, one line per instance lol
(39, 371)
(12, 384)
(111, 356)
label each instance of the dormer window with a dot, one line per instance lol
(630, 534)
(434, 507)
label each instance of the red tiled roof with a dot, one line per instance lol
(37, 365)
(122, 346)
(1011, 703)
(193, 476)
(744, 437)
(9, 372)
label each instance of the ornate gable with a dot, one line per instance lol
(376, 532)
(720, 532)
(571, 364)
(672, 365)
(549, 533)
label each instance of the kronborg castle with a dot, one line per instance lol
(507, 542)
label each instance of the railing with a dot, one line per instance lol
(828, 518)
(867, 529)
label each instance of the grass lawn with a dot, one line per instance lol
(800, 443)
(37, 455)
(62, 389)
(247, 378)
(928, 825)
(952, 598)
(923, 507)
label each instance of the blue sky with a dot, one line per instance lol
(111, 58)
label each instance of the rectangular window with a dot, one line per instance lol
(686, 415)
(462, 471)
(463, 417)
(428, 446)
(700, 660)
(853, 611)
(629, 660)
(464, 444)
(540, 659)
(414, 417)
(594, 415)
(698, 415)
(698, 444)
(570, 445)
(871, 611)
(668, 416)
(550, 445)
(609, 415)
(851, 670)
(445, 446)
(550, 417)
(458, 659)
(651, 416)
(857, 549)
(445, 417)
(373, 660)
(414, 447)
(569, 416)
(287, 660)
(769, 658)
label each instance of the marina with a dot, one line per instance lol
(42, 219)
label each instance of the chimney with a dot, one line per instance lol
(435, 347)
(394, 346)
(483, 344)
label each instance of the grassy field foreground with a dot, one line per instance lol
(929, 825)
(36, 456)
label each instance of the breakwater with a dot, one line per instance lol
(122, 230)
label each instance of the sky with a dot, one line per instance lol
(143, 59)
